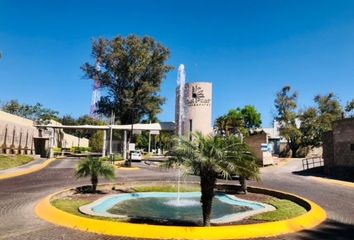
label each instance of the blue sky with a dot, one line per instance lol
(247, 49)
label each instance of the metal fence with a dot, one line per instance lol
(312, 162)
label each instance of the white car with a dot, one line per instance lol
(135, 155)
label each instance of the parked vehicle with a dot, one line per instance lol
(135, 155)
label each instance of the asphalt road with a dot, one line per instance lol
(19, 195)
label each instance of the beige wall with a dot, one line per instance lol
(17, 133)
(254, 142)
(67, 140)
(72, 141)
(198, 108)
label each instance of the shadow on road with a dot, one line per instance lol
(316, 171)
(329, 230)
(319, 172)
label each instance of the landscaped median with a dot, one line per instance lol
(24, 171)
(313, 217)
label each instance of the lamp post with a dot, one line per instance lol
(129, 162)
(111, 136)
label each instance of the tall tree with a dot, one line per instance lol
(131, 72)
(319, 119)
(310, 134)
(238, 121)
(235, 123)
(329, 110)
(252, 118)
(208, 156)
(286, 104)
(69, 120)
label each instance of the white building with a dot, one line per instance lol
(197, 109)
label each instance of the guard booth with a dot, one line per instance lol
(267, 156)
(40, 146)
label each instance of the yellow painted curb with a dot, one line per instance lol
(128, 168)
(334, 181)
(312, 218)
(28, 170)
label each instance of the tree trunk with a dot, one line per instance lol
(207, 184)
(294, 147)
(243, 184)
(294, 151)
(94, 182)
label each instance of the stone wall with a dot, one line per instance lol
(328, 155)
(338, 149)
(343, 138)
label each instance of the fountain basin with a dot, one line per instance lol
(162, 206)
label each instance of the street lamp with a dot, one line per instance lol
(129, 162)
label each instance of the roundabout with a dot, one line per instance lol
(314, 216)
(20, 196)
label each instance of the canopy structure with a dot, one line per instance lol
(152, 127)
(162, 126)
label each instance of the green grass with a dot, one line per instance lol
(285, 209)
(72, 206)
(167, 188)
(10, 161)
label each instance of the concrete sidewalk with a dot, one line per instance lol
(30, 167)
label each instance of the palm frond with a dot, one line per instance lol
(222, 155)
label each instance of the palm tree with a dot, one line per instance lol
(208, 156)
(165, 141)
(94, 167)
(247, 168)
(220, 125)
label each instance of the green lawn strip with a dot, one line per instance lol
(167, 188)
(285, 209)
(11, 161)
(72, 206)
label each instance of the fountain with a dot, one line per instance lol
(178, 202)
(156, 207)
(181, 81)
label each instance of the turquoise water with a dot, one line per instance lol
(156, 205)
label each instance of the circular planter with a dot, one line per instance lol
(313, 217)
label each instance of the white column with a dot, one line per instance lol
(110, 140)
(51, 142)
(149, 148)
(104, 144)
(125, 145)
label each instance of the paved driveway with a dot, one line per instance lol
(338, 201)
(19, 195)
